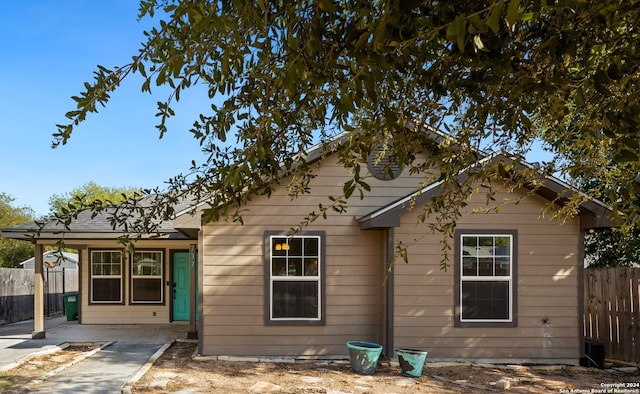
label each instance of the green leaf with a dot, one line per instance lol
(461, 31)
(512, 13)
(348, 189)
(477, 25)
(580, 96)
(529, 16)
(494, 17)
(502, 170)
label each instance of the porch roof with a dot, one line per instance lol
(87, 225)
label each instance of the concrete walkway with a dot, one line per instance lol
(105, 372)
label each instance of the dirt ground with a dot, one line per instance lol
(177, 370)
(17, 379)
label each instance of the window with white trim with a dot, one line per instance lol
(294, 274)
(106, 276)
(485, 278)
(146, 276)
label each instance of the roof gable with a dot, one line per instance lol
(595, 214)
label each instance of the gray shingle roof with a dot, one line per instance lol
(90, 225)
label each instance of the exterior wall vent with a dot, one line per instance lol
(381, 165)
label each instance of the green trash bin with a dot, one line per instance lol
(71, 305)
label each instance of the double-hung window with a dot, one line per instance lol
(146, 277)
(485, 278)
(293, 273)
(106, 276)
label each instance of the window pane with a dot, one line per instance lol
(469, 241)
(311, 247)
(502, 241)
(111, 269)
(311, 267)
(485, 300)
(469, 266)
(500, 250)
(503, 266)
(295, 299)
(485, 266)
(106, 289)
(97, 257)
(295, 247)
(469, 246)
(279, 267)
(276, 246)
(294, 268)
(113, 258)
(147, 290)
(147, 264)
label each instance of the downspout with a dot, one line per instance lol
(389, 276)
(81, 251)
(581, 293)
(200, 322)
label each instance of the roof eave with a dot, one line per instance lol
(54, 236)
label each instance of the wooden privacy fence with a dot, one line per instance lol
(16, 292)
(612, 311)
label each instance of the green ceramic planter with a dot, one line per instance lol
(364, 356)
(411, 361)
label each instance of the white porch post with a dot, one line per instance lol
(38, 295)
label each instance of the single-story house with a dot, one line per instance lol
(54, 260)
(513, 292)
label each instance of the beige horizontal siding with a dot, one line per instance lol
(233, 318)
(127, 313)
(548, 291)
(547, 288)
(233, 280)
(247, 290)
(236, 346)
(233, 284)
(406, 318)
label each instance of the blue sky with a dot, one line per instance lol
(50, 48)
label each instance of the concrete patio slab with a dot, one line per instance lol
(105, 372)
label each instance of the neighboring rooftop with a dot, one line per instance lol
(54, 258)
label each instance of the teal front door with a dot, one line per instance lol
(180, 285)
